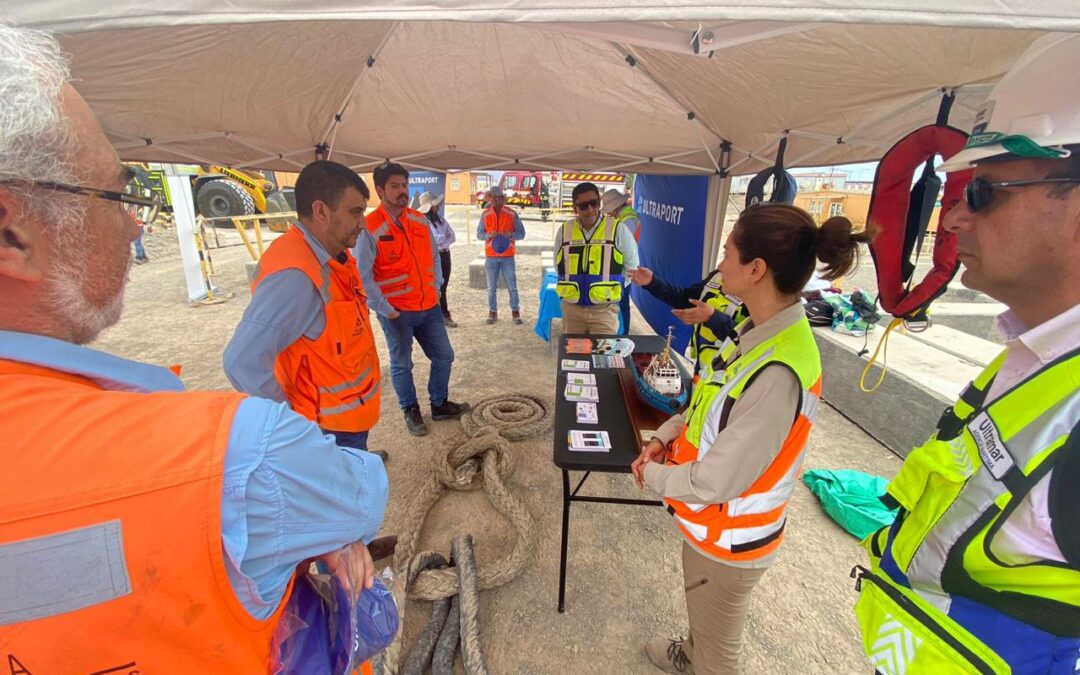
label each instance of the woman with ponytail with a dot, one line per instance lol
(726, 468)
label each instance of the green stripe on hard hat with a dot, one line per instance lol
(1018, 145)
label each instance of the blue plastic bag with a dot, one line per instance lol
(327, 629)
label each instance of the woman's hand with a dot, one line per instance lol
(642, 276)
(699, 313)
(649, 453)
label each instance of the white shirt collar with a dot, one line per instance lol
(1048, 340)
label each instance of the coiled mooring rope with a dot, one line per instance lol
(478, 457)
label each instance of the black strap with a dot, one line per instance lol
(1063, 502)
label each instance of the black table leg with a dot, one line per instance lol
(565, 533)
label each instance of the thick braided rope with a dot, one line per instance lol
(516, 416)
(482, 460)
(388, 662)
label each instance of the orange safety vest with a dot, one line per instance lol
(404, 263)
(333, 380)
(499, 223)
(110, 519)
(751, 526)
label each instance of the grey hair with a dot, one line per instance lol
(37, 142)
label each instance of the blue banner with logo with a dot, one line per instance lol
(672, 210)
(426, 181)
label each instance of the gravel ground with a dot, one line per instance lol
(624, 572)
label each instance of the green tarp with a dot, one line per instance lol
(851, 498)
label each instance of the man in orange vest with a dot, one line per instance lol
(402, 274)
(499, 228)
(143, 528)
(305, 336)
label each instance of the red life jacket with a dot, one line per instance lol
(899, 212)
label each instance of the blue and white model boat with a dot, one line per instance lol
(659, 380)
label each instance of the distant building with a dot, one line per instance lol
(854, 204)
(461, 187)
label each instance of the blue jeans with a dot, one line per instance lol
(430, 331)
(140, 252)
(349, 439)
(508, 269)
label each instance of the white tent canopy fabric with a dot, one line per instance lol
(653, 87)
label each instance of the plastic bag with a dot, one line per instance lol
(851, 498)
(331, 623)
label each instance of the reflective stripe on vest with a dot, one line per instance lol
(751, 525)
(332, 380)
(955, 493)
(110, 533)
(590, 268)
(404, 266)
(498, 223)
(705, 346)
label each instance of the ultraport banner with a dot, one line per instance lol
(672, 210)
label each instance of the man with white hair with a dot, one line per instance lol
(143, 528)
(980, 572)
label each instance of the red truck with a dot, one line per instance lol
(550, 189)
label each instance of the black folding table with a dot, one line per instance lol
(612, 418)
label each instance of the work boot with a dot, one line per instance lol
(415, 421)
(517, 317)
(492, 317)
(448, 410)
(450, 323)
(141, 259)
(669, 655)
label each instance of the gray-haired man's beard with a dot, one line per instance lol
(64, 292)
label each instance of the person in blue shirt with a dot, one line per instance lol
(288, 492)
(286, 305)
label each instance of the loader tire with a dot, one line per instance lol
(223, 198)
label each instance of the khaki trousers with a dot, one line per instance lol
(603, 319)
(717, 602)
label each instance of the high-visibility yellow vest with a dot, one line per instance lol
(590, 268)
(627, 214)
(938, 597)
(705, 345)
(750, 526)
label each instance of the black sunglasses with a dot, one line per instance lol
(585, 206)
(980, 192)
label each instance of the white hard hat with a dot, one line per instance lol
(1033, 110)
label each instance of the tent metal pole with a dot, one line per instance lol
(712, 251)
(755, 155)
(331, 128)
(186, 155)
(869, 125)
(634, 62)
(172, 141)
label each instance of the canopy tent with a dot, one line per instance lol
(652, 87)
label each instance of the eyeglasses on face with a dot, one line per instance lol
(142, 203)
(980, 192)
(587, 205)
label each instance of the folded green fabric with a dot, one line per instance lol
(851, 498)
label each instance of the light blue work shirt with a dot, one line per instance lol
(289, 492)
(624, 241)
(519, 229)
(285, 306)
(365, 252)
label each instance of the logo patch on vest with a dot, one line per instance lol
(995, 456)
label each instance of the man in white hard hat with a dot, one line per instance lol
(617, 205)
(980, 573)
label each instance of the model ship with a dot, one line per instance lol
(659, 380)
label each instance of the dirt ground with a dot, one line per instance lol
(624, 573)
